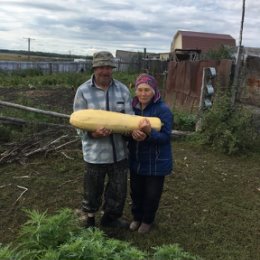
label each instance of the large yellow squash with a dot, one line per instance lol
(91, 119)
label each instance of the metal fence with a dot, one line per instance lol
(184, 81)
(153, 66)
(45, 67)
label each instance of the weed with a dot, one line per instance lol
(172, 252)
(59, 237)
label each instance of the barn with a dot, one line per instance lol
(202, 41)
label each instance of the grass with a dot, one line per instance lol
(210, 205)
(22, 56)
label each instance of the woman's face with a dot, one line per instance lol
(144, 94)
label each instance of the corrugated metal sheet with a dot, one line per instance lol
(183, 84)
(46, 67)
(206, 35)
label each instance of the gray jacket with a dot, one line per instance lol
(116, 98)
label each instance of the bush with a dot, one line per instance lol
(228, 129)
(219, 54)
(184, 121)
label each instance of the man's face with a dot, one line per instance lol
(103, 75)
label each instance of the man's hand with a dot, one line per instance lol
(101, 132)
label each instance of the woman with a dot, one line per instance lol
(150, 155)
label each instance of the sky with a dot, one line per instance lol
(82, 27)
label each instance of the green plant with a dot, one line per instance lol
(42, 232)
(27, 73)
(7, 253)
(59, 237)
(222, 52)
(184, 121)
(172, 252)
(228, 129)
(36, 79)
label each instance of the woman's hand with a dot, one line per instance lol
(138, 135)
(145, 126)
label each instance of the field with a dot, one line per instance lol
(210, 205)
(32, 56)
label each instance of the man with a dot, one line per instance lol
(104, 153)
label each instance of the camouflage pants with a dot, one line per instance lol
(115, 188)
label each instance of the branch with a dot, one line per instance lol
(70, 142)
(68, 157)
(24, 190)
(44, 148)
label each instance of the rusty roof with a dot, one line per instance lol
(203, 35)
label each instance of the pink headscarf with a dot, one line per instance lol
(152, 82)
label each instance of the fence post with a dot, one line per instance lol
(206, 94)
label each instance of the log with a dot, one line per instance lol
(19, 122)
(178, 134)
(32, 109)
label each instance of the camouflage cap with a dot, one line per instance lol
(103, 58)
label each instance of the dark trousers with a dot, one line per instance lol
(115, 188)
(146, 192)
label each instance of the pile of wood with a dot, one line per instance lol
(42, 142)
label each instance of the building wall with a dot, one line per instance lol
(205, 44)
(177, 43)
(164, 56)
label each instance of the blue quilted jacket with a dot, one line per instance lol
(153, 156)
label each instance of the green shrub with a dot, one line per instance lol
(59, 237)
(228, 129)
(27, 73)
(221, 53)
(184, 121)
(42, 232)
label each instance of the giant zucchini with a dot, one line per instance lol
(91, 119)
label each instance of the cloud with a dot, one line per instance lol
(83, 26)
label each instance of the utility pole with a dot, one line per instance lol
(29, 46)
(236, 82)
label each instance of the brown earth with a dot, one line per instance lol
(210, 205)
